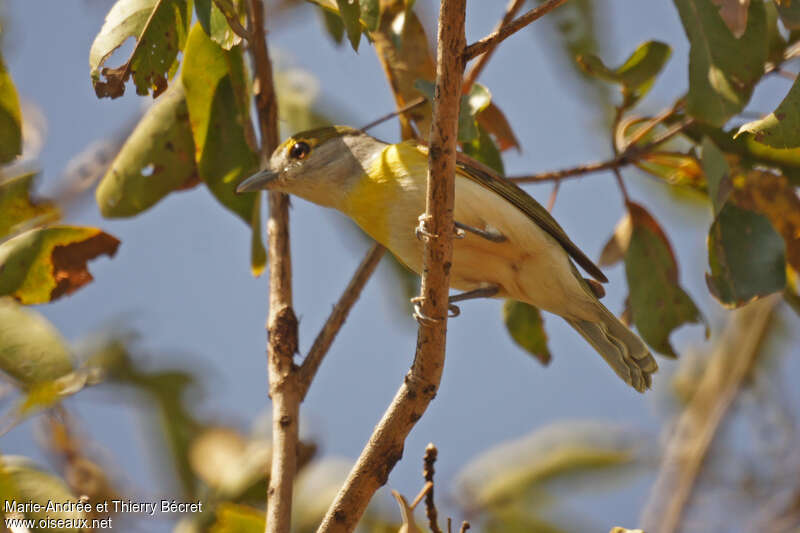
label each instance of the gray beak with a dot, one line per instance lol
(256, 182)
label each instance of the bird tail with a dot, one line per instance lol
(622, 349)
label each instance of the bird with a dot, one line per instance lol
(509, 246)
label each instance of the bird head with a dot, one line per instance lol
(320, 165)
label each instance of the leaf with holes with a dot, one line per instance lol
(159, 28)
(215, 24)
(156, 159)
(18, 207)
(636, 74)
(746, 256)
(10, 117)
(658, 303)
(31, 350)
(525, 325)
(781, 128)
(722, 68)
(44, 264)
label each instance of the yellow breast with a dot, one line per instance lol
(391, 192)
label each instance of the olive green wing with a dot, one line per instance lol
(486, 177)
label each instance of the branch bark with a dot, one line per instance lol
(501, 34)
(385, 446)
(731, 362)
(281, 321)
(482, 61)
(629, 156)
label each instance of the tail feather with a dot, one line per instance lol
(622, 349)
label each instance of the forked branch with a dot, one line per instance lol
(385, 446)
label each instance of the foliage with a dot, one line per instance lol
(199, 132)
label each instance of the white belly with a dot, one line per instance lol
(530, 266)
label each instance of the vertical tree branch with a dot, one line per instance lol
(731, 362)
(385, 446)
(281, 321)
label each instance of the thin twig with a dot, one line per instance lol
(629, 156)
(337, 317)
(551, 203)
(228, 11)
(385, 446)
(405, 109)
(464, 527)
(281, 321)
(494, 38)
(734, 357)
(427, 472)
(480, 64)
(426, 488)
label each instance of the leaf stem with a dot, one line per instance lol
(483, 60)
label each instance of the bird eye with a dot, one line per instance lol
(299, 150)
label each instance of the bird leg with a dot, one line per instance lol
(488, 234)
(454, 311)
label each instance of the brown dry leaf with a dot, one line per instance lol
(44, 264)
(493, 120)
(772, 195)
(405, 53)
(734, 14)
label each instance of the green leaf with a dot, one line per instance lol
(159, 27)
(41, 265)
(167, 391)
(781, 128)
(35, 485)
(235, 518)
(371, 13)
(31, 349)
(350, 12)
(333, 25)
(524, 323)
(484, 150)
(746, 256)
(10, 118)
(658, 304)
(775, 197)
(563, 452)
(470, 106)
(17, 206)
(214, 23)
(298, 107)
(258, 254)
(717, 174)
(156, 159)
(636, 74)
(211, 77)
(722, 68)
(789, 11)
